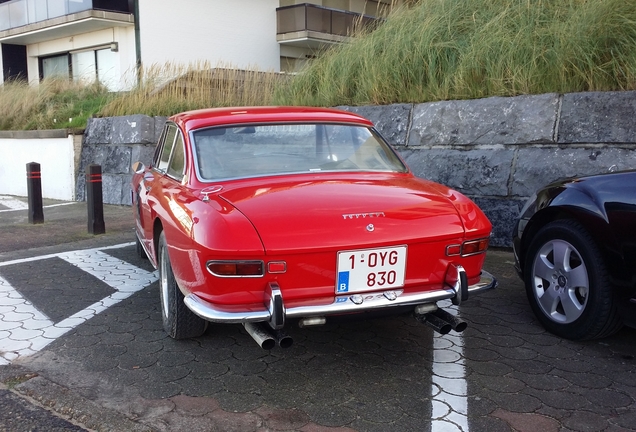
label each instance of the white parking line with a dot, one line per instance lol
(15, 205)
(449, 389)
(24, 330)
(12, 203)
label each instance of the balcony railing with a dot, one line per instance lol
(309, 17)
(18, 13)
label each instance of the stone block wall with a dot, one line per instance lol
(116, 143)
(497, 150)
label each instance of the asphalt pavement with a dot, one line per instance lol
(82, 348)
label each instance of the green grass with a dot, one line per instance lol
(433, 50)
(463, 49)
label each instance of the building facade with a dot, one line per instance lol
(108, 40)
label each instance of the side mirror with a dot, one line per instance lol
(138, 167)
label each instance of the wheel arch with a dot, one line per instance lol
(592, 221)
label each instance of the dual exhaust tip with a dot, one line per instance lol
(266, 337)
(438, 319)
(442, 321)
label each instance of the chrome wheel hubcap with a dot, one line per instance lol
(560, 281)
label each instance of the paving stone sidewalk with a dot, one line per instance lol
(119, 371)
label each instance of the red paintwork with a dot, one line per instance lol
(299, 219)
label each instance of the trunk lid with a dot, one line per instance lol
(335, 212)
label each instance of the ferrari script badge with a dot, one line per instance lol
(363, 215)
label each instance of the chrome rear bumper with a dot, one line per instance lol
(274, 311)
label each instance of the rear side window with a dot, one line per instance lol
(168, 144)
(177, 162)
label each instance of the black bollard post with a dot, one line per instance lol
(94, 200)
(34, 190)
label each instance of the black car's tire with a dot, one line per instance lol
(178, 321)
(567, 283)
(139, 249)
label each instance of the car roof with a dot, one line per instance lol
(211, 117)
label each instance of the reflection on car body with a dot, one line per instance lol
(271, 216)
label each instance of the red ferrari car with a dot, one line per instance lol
(268, 216)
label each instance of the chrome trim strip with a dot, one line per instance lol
(208, 311)
(486, 282)
(341, 304)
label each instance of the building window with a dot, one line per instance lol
(83, 66)
(57, 66)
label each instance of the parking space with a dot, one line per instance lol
(44, 297)
(104, 340)
(80, 317)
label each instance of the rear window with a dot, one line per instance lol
(252, 151)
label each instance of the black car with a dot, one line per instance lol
(575, 249)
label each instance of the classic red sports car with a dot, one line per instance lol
(268, 216)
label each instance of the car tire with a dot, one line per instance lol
(178, 321)
(578, 303)
(139, 249)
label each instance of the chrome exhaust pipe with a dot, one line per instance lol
(456, 323)
(283, 339)
(434, 322)
(261, 335)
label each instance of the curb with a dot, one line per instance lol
(64, 403)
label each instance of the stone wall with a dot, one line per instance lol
(116, 143)
(497, 150)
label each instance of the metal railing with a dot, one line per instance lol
(309, 17)
(18, 13)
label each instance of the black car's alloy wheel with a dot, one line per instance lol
(567, 283)
(178, 321)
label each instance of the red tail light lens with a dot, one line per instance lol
(468, 248)
(474, 247)
(236, 268)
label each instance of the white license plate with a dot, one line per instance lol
(371, 269)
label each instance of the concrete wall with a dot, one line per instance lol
(53, 150)
(215, 33)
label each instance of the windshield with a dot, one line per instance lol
(251, 151)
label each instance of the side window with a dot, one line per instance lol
(157, 153)
(168, 143)
(177, 164)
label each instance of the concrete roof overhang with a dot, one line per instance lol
(66, 26)
(310, 39)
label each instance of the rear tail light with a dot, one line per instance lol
(235, 268)
(468, 248)
(474, 247)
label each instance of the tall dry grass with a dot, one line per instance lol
(55, 103)
(171, 88)
(458, 49)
